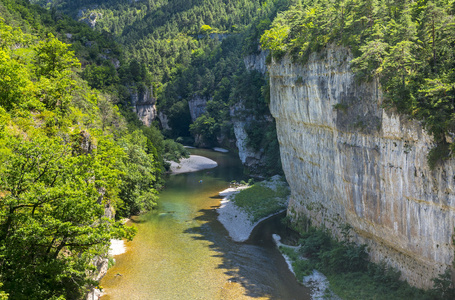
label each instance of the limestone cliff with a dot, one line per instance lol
(144, 105)
(197, 106)
(348, 160)
(250, 158)
(256, 61)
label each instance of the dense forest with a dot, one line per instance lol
(190, 50)
(72, 162)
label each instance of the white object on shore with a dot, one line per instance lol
(192, 164)
(117, 247)
(218, 149)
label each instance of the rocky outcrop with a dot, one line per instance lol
(250, 157)
(164, 121)
(242, 118)
(256, 61)
(102, 265)
(347, 160)
(197, 106)
(89, 17)
(144, 105)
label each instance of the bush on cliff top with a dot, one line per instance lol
(408, 45)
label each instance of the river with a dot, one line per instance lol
(181, 251)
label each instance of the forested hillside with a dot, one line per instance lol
(193, 50)
(69, 160)
(163, 34)
(408, 45)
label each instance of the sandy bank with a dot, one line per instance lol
(192, 164)
(236, 221)
(117, 247)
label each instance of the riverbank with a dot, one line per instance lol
(316, 281)
(244, 207)
(336, 269)
(117, 247)
(192, 164)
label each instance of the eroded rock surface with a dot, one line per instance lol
(347, 160)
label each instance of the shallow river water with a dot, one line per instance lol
(181, 251)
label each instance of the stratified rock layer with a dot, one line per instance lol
(348, 161)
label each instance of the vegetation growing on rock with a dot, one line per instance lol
(408, 45)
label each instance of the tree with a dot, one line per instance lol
(53, 58)
(140, 173)
(52, 215)
(433, 18)
(372, 58)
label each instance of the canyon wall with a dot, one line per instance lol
(197, 106)
(349, 161)
(144, 105)
(251, 158)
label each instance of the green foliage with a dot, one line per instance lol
(332, 256)
(206, 29)
(341, 106)
(443, 287)
(174, 151)
(162, 34)
(407, 45)
(207, 127)
(139, 175)
(100, 76)
(65, 163)
(260, 200)
(51, 218)
(274, 39)
(174, 45)
(52, 58)
(385, 285)
(316, 242)
(350, 275)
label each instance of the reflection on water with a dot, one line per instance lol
(182, 252)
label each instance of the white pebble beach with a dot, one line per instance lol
(192, 164)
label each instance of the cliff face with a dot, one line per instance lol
(144, 105)
(242, 118)
(347, 160)
(197, 107)
(249, 157)
(256, 61)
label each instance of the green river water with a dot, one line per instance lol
(181, 251)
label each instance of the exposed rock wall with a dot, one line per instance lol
(164, 121)
(256, 61)
(242, 118)
(359, 164)
(249, 157)
(89, 17)
(144, 105)
(197, 107)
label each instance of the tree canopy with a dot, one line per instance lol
(408, 45)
